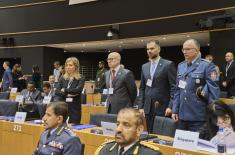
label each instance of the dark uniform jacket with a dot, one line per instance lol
(142, 148)
(62, 142)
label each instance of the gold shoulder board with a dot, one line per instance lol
(149, 145)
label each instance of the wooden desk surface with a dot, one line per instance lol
(228, 101)
(19, 139)
(87, 110)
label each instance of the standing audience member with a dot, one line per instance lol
(157, 85)
(100, 78)
(7, 79)
(196, 78)
(56, 71)
(120, 84)
(130, 125)
(51, 81)
(36, 77)
(210, 58)
(228, 81)
(18, 78)
(69, 89)
(62, 71)
(219, 115)
(58, 139)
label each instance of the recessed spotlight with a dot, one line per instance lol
(65, 51)
(188, 36)
(121, 42)
(164, 38)
(65, 46)
(208, 44)
(142, 40)
(83, 45)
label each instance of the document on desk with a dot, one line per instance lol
(209, 147)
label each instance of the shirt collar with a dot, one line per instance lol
(116, 69)
(126, 148)
(155, 60)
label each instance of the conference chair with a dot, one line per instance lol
(164, 126)
(97, 118)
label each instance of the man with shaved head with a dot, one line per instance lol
(120, 85)
(196, 87)
(229, 74)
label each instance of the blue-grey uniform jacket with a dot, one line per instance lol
(61, 142)
(186, 103)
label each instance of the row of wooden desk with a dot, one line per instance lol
(21, 139)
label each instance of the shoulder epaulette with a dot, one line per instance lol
(149, 145)
(69, 131)
(102, 145)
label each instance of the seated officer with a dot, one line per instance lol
(57, 139)
(130, 125)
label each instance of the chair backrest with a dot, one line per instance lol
(164, 126)
(4, 95)
(97, 118)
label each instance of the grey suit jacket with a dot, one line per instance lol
(124, 93)
(36, 96)
(163, 86)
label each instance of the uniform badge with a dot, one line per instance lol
(213, 75)
(56, 144)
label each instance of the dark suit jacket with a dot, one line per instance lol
(124, 93)
(230, 79)
(163, 86)
(7, 79)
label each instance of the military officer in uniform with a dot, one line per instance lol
(57, 139)
(196, 88)
(100, 78)
(129, 128)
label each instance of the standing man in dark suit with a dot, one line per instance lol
(229, 75)
(120, 84)
(157, 85)
(7, 79)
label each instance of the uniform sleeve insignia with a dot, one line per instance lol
(149, 145)
(213, 76)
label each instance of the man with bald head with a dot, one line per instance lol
(120, 85)
(229, 75)
(196, 87)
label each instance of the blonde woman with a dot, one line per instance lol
(69, 89)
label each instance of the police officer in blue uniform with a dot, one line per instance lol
(57, 139)
(196, 88)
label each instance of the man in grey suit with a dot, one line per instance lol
(120, 84)
(157, 85)
(31, 94)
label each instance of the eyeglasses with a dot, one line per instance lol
(188, 49)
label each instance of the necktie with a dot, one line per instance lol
(121, 151)
(113, 75)
(189, 64)
(226, 69)
(152, 70)
(49, 134)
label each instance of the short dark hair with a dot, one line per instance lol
(138, 116)
(35, 68)
(59, 108)
(32, 83)
(7, 63)
(57, 63)
(46, 84)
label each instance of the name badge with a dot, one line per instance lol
(149, 82)
(13, 90)
(98, 79)
(198, 81)
(110, 91)
(182, 84)
(69, 99)
(105, 91)
(46, 100)
(19, 98)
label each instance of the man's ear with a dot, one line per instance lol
(140, 129)
(60, 119)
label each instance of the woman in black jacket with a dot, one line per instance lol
(18, 78)
(36, 77)
(69, 89)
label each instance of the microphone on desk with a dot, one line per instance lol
(92, 94)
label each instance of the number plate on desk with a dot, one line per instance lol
(17, 127)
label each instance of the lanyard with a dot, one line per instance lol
(70, 83)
